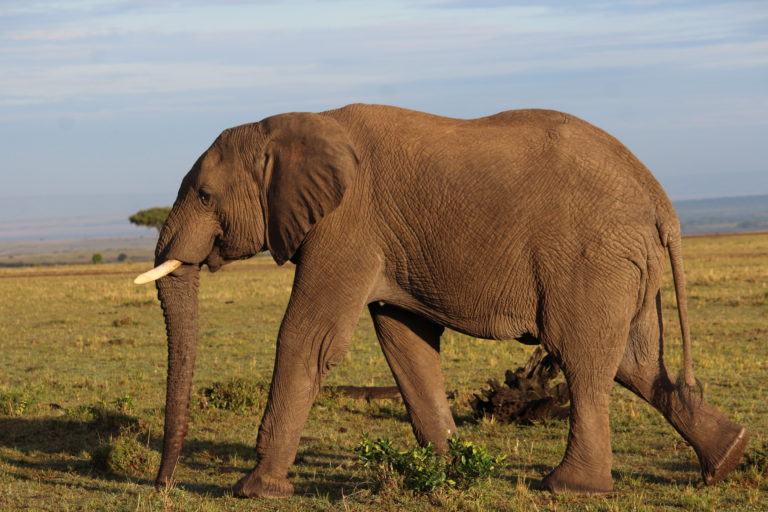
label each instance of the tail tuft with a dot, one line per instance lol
(687, 392)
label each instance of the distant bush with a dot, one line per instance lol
(151, 217)
(96, 258)
(122, 257)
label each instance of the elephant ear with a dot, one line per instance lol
(310, 164)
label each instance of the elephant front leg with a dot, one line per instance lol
(411, 345)
(314, 336)
(291, 395)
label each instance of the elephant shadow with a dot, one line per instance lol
(68, 446)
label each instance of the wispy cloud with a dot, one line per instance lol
(114, 48)
(64, 34)
(647, 69)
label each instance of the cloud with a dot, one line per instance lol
(64, 34)
(206, 48)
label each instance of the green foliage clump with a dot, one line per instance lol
(104, 418)
(151, 217)
(121, 451)
(421, 469)
(96, 258)
(758, 458)
(125, 455)
(236, 395)
(15, 403)
(471, 463)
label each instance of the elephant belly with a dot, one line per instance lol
(489, 313)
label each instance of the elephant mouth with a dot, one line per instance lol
(215, 261)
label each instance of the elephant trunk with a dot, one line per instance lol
(178, 296)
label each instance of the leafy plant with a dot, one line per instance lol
(125, 455)
(103, 418)
(758, 458)
(471, 463)
(123, 403)
(421, 469)
(14, 403)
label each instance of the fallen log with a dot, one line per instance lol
(373, 392)
(367, 392)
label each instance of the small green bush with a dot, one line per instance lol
(125, 455)
(471, 463)
(236, 395)
(421, 469)
(123, 403)
(15, 403)
(82, 413)
(96, 258)
(103, 418)
(758, 458)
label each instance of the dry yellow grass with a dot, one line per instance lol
(75, 344)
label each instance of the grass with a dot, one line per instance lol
(83, 380)
(77, 252)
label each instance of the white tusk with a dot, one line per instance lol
(159, 271)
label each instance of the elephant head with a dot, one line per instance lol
(260, 186)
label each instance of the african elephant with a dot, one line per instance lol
(527, 224)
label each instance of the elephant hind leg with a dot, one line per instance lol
(411, 345)
(590, 365)
(717, 441)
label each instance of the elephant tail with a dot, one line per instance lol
(674, 247)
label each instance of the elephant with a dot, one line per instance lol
(528, 224)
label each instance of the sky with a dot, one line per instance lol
(119, 97)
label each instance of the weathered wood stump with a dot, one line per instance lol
(526, 395)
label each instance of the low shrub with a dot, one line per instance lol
(125, 455)
(14, 402)
(758, 458)
(421, 469)
(236, 395)
(103, 418)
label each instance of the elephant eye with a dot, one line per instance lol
(205, 197)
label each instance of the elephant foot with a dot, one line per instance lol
(254, 485)
(566, 479)
(726, 458)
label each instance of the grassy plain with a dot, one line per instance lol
(83, 366)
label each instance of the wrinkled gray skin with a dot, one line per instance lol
(525, 223)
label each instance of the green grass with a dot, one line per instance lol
(82, 385)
